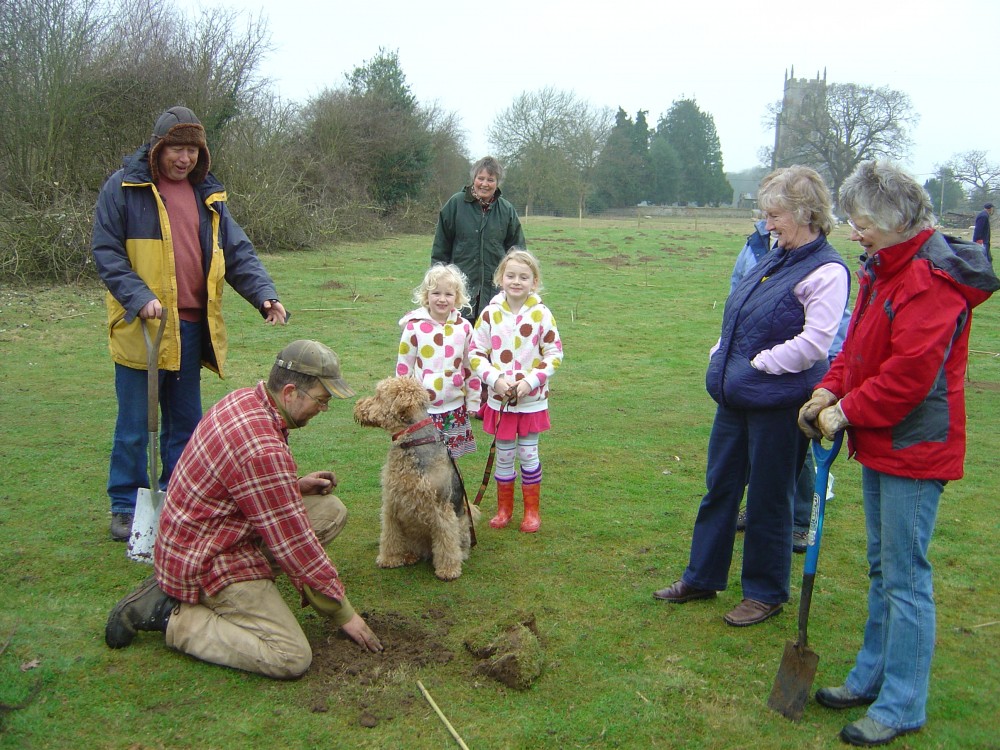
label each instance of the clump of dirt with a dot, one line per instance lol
(510, 651)
(379, 685)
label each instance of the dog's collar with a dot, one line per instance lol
(413, 428)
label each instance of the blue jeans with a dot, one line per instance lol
(894, 663)
(805, 487)
(180, 410)
(764, 450)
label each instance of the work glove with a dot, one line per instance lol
(821, 399)
(832, 420)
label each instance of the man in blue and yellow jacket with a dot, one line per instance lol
(164, 243)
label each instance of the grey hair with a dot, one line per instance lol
(801, 191)
(282, 376)
(491, 165)
(882, 192)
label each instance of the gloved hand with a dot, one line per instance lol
(821, 399)
(832, 420)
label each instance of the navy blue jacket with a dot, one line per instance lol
(761, 313)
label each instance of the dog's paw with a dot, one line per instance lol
(396, 561)
(448, 574)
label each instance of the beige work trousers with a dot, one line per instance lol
(247, 625)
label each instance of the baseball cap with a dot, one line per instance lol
(313, 358)
(988, 205)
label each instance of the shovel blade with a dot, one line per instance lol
(794, 681)
(144, 524)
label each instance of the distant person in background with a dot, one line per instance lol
(898, 387)
(981, 232)
(777, 328)
(163, 243)
(475, 229)
(756, 247)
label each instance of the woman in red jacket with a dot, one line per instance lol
(898, 388)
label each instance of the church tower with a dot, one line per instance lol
(800, 95)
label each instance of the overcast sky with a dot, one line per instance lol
(474, 58)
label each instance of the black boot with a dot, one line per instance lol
(146, 608)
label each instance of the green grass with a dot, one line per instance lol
(638, 306)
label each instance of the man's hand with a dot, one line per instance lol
(821, 399)
(361, 634)
(832, 420)
(318, 483)
(152, 309)
(274, 312)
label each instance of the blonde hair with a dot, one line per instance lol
(439, 275)
(519, 255)
(801, 191)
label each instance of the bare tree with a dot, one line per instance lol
(450, 164)
(549, 139)
(980, 177)
(584, 139)
(850, 124)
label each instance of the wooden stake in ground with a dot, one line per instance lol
(442, 716)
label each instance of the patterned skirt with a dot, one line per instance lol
(457, 431)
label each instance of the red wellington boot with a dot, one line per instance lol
(531, 493)
(505, 504)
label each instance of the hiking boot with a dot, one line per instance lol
(146, 608)
(741, 520)
(121, 526)
(800, 542)
(840, 697)
(866, 732)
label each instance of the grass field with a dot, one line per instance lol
(638, 305)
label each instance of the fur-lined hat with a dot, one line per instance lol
(178, 126)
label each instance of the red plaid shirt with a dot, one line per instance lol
(234, 488)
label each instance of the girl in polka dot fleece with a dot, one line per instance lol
(434, 349)
(515, 350)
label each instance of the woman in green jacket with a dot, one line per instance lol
(475, 229)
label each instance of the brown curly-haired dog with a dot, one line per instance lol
(423, 503)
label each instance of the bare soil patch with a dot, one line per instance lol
(378, 686)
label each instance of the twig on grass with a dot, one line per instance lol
(67, 317)
(442, 716)
(6, 708)
(325, 309)
(987, 624)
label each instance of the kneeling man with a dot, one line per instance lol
(236, 513)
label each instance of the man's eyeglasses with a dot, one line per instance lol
(322, 403)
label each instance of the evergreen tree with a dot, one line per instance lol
(623, 169)
(665, 166)
(693, 137)
(400, 158)
(945, 191)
